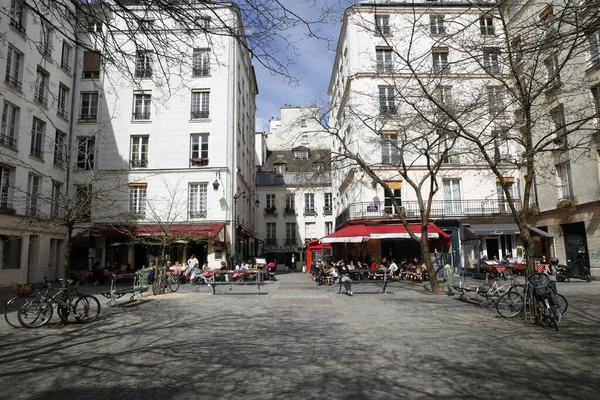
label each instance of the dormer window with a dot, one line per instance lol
(301, 155)
(279, 169)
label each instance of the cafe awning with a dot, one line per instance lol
(207, 231)
(495, 229)
(361, 233)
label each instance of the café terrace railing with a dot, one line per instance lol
(439, 209)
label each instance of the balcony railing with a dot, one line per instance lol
(271, 211)
(439, 209)
(8, 141)
(202, 71)
(271, 241)
(17, 25)
(289, 241)
(199, 114)
(143, 115)
(138, 163)
(13, 81)
(327, 210)
(290, 211)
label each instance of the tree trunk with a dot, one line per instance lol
(67, 257)
(426, 259)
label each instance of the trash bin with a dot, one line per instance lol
(143, 277)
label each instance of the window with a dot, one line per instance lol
(65, 61)
(6, 178)
(452, 197)
(200, 105)
(41, 87)
(382, 24)
(303, 125)
(201, 62)
(290, 233)
(279, 169)
(327, 208)
(38, 131)
(290, 204)
(560, 125)
(45, 40)
(563, 172)
(83, 202)
(309, 202)
(552, 68)
(503, 205)
(89, 106)
(139, 152)
(501, 146)
(13, 67)
(436, 25)
(137, 199)
(328, 228)
(141, 106)
(547, 20)
(60, 148)
(440, 60)
(491, 60)
(85, 152)
(495, 100)
(271, 233)
(309, 230)
(199, 146)
(388, 200)
(62, 101)
(204, 23)
(91, 65)
(389, 148)
(94, 25)
(197, 201)
(443, 94)
(17, 15)
(55, 199)
(10, 125)
(594, 45)
(447, 139)
(143, 64)
(146, 25)
(10, 252)
(301, 154)
(384, 60)
(305, 140)
(271, 202)
(595, 94)
(533, 193)
(486, 25)
(33, 190)
(387, 100)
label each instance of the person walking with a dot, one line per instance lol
(345, 280)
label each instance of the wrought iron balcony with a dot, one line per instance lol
(199, 114)
(439, 209)
(271, 241)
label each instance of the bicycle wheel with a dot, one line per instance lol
(551, 312)
(173, 283)
(509, 304)
(562, 305)
(35, 313)
(86, 309)
(157, 286)
(481, 294)
(11, 308)
(518, 288)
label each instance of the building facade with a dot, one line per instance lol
(401, 82)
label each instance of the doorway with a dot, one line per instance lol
(576, 243)
(492, 248)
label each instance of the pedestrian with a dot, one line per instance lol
(191, 265)
(449, 276)
(345, 280)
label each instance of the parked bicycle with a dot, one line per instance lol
(71, 305)
(161, 282)
(487, 295)
(24, 293)
(548, 306)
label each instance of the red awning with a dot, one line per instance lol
(360, 233)
(183, 230)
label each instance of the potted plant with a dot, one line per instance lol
(387, 210)
(567, 204)
(533, 210)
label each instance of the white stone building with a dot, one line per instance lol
(155, 145)
(397, 65)
(294, 186)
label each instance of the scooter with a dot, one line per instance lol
(575, 270)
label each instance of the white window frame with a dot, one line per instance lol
(142, 104)
(387, 101)
(62, 101)
(384, 59)
(310, 230)
(137, 200)
(89, 106)
(491, 60)
(38, 134)
(290, 233)
(328, 228)
(271, 229)
(14, 67)
(496, 100)
(309, 202)
(33, 191)
(18, 15)
(436, 24)
(271, 201)
(65, 60)
(201, 62)
(389, 148)
(452, 196)
(557, 114)
(10, 125)
(55, 199)
(440, 59)
(85, 214)
(552, 69)
(41, 87)
(198, 200)
(143, 64)
(382, 24)
(486, 25)
(60, 148)
(199, 149)
(139, 151)
(45, 40)
(6, 182)
(200, 104)
(86, 147)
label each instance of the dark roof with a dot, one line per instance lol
(322, 157)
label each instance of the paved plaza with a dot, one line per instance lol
(302, 341)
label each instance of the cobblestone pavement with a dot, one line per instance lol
(302, 341)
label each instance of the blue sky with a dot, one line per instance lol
(312, 67)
